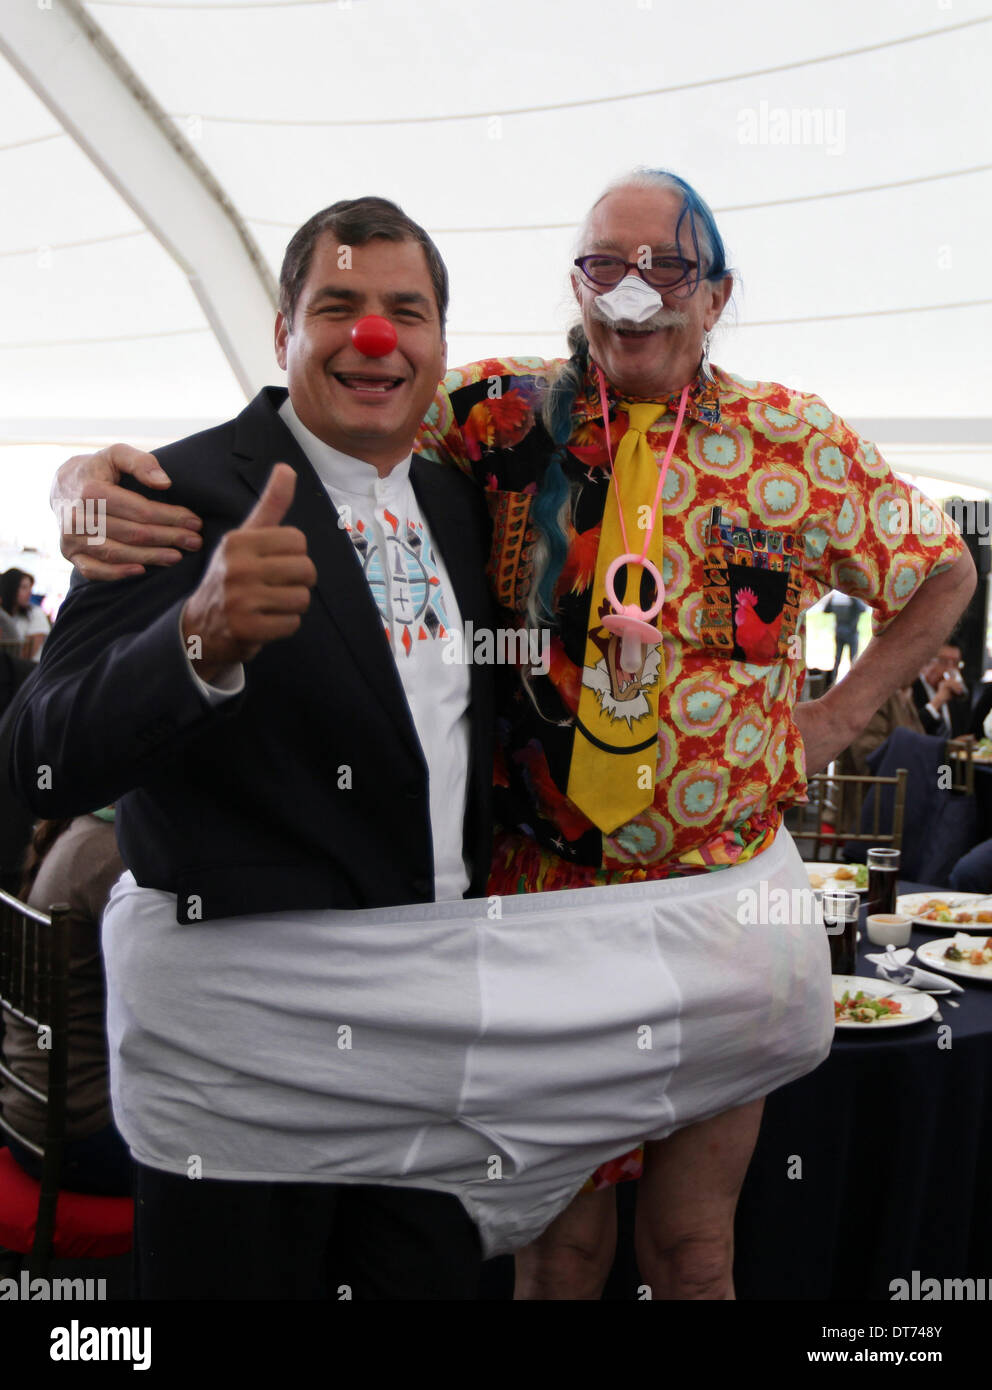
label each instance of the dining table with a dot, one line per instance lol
(879, 1163)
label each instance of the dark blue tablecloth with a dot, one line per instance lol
(894, 1134)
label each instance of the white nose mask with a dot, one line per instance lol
(632, 299)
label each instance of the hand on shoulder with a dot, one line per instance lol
(110, 532)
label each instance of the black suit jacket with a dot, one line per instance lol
(310, 788)
(958, 707)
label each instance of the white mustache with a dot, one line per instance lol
(662, 318)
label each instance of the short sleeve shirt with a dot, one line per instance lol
(770, 501)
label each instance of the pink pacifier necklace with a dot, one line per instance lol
(631, 623)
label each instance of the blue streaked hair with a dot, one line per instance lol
(550, 509)
(702, 231)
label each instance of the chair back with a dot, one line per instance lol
(961, 759)
(34, 974)
(832, 818)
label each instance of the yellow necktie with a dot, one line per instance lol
(615, 750)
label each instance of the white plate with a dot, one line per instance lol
(910, 903)
(931, 954)
(831, 884)
(916, 1007)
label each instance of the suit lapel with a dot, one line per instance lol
(261, 441)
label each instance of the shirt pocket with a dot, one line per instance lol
(511, 557)
(754, 579)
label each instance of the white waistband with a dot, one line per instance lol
(696, 887)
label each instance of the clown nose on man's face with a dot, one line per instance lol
(374, 336)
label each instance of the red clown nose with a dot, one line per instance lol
(374, 336)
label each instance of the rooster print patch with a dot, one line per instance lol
(751, 596)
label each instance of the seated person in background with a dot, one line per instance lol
(940, 695)
(898, 712)
(28, 620)
(74, 861)
(973, 871)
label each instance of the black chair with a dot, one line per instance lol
(961, 759)
(836, 802)
(36, 1219)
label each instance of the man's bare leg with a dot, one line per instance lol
(573, 1257)
(686, 1202)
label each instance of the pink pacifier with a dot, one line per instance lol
(374, 336)
(629, 621)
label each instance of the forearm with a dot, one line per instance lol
(895, 657)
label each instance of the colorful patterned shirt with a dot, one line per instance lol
(770, 501)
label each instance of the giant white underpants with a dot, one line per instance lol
(496, 1050)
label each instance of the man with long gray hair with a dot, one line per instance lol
(667, 524)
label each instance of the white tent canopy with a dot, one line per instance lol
(156, 155)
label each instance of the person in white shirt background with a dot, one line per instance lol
(24, 619)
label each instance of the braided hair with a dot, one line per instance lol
(551, 508)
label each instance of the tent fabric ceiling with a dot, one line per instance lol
(846, 152)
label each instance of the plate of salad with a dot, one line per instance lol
(862, 1002)
(964, 955)
(947, 911)
(851, 877)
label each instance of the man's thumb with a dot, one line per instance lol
(275, 501)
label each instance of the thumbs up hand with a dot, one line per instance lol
(256, 586)
(274, 502)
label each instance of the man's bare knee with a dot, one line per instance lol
(564, 1269)
(588, 1247)
(572, 1258)
(690, 1267)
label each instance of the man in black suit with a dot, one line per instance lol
(274, 719)
(940, 696)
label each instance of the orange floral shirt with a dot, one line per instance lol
(770, 501)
